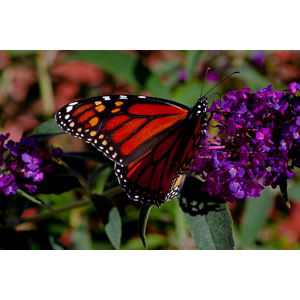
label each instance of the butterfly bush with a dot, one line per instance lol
(21, 164)
(258, 145)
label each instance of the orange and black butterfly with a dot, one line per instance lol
(152, 141)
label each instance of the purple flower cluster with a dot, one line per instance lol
(21, 164)
(258, 145)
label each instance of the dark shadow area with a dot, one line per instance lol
(58, 181)
(141, 73)
(103, 206)
(195, 202)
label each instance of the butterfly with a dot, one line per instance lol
(152, 141)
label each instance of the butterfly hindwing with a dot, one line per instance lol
(160, 174)
(149, 179)
(123, 127)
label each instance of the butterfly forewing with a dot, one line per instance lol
(123, 127)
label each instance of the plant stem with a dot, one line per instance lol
(41, 203)
(45, 84)
(86, 201)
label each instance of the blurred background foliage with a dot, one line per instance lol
(35, 84)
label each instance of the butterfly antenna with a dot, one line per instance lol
(220, 82)
(204, 80)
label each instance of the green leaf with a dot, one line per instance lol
(255, 215)
(143, 218)
(208, 218)
(212, 231)
(110, 218)
(127, 66)
(47, 130)
(113, 227)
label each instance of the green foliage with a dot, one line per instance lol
(47, 130)
(212, 231)
(208, 218)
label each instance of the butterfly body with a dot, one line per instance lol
(152, 141)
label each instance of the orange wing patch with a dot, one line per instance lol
(81, 109)
(127, 129)
(85, 116)
(115, 122)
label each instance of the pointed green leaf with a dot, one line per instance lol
(113, 227)
(47, 130)
(143, 218)
(208, 218)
